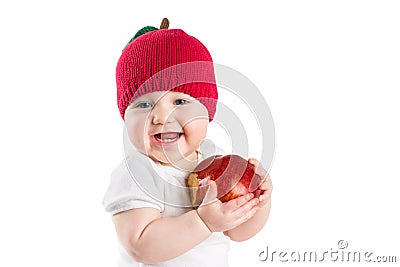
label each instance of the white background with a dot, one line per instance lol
(329, 71)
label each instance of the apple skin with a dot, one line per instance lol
(233, 175)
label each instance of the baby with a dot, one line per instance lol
(167, 97)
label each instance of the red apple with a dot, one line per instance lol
(233, 175)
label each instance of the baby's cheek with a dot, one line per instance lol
(191, 112)
(196, 130)
(137, 138)
(136, 133)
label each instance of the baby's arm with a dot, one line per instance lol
(251, 227)
(149, 238)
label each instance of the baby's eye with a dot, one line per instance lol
(181, 101)
(144, 105)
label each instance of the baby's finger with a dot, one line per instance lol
(258, 168)
(266, 194)
(246, 208)
(267, 184)
(255, 182)
(253, 162)
(211, 194)
(261, 171)
(234, 204)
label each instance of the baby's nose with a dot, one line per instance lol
(162, 114)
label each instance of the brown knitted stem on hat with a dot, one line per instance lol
(164, 24)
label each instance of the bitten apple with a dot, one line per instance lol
(233, 175)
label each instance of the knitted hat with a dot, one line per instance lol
(165, 59)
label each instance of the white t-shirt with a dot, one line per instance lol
(139, 182)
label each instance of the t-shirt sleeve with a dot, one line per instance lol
(132, 187)
(209, 149)
(219, 151)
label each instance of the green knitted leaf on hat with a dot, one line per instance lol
(141, 32)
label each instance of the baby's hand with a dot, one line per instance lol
(266, 185)
(220, 217)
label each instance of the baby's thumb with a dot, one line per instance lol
(211, 193)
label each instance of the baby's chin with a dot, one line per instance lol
(177, 161)
(170, 156)
(168, 160)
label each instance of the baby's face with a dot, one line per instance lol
(167, 126)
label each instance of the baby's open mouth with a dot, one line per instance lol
(167, 137)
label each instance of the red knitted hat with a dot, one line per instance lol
(165, 59)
